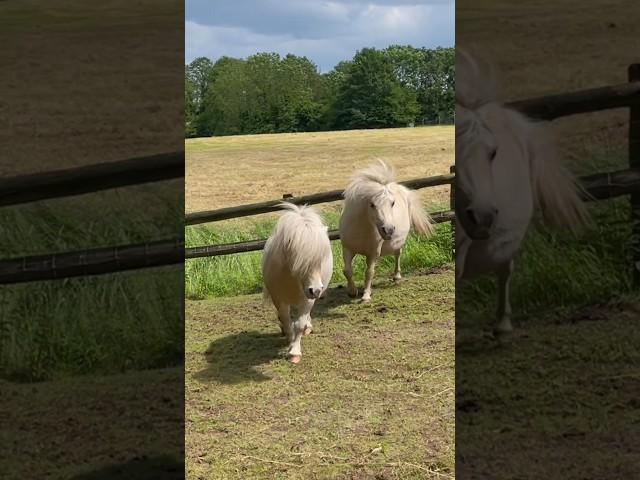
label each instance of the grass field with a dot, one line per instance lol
(372, 397)
(90, 105)
(222, 172)
(560, 399)
(227, 171)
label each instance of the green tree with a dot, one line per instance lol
(371, 96)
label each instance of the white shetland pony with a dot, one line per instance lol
(297, 266)
(377, 216)
(506, 167)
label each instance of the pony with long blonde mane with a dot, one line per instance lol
(506, 168)
(376, 219)
(296, 266)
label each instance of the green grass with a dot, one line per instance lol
(561, 395)
(373, 396)
(556, 270)
(241, 273)
(90, 325)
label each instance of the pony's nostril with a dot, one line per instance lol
(472, 216)
(311, 292)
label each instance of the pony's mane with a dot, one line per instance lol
(556, 190)
(476, 80)
(371, 182)
(301, 237)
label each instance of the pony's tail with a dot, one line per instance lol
(420, 220)
(558, 193)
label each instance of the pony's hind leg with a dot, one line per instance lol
(504, 304)
(371, 267)
(397, 275)
(347, 256)
(284, 315)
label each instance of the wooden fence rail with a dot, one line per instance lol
(273, 205)
(254, 245)
(582, 101)
(91, 178)
(91, 262)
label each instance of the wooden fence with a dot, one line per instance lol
(597, 187)
(76, 181)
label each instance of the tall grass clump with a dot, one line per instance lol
(557, 270)
(241, 273)
(90, 325)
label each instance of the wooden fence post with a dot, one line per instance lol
(452, 207)
(634, 162)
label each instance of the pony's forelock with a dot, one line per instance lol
(302, 239)
(371, 183)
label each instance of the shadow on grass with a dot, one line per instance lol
(323, 309)
(157, 468)
(234, 358)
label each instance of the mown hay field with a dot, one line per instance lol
(374, 394)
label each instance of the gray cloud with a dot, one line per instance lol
(326, 32)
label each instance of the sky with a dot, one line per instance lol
(326, 32)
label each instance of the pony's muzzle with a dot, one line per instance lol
(482, 220)
(386, 232)
(313, 293)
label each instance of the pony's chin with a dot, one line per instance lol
(384, 236)
(480, 235)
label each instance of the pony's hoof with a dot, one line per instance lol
(503, 333)
(295, 359)
(365, 299)
(397, 279)
(353, 293)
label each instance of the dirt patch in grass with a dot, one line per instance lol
(372, 398)
(227, 171)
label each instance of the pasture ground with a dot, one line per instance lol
(89, 105)
(372, 398)
(226, 171)
(560, 399)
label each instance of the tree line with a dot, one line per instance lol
(266, 93)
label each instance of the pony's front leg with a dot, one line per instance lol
(504, 304)
(347, 256)
(397, 275)
(371, 267)
(299, 329)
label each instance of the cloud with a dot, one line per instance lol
(324, 31)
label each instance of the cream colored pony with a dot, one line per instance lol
(296, 266)
(377, 216)
(506, 167)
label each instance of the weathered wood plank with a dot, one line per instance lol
(583, 101)
(91, 262)
(254, 245)
(91, 178)
(273, 205)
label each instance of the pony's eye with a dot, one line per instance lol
(372, 205)
(493, 153)
(393, 203)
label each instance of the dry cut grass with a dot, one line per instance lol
(372, 398)
(227, 171)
